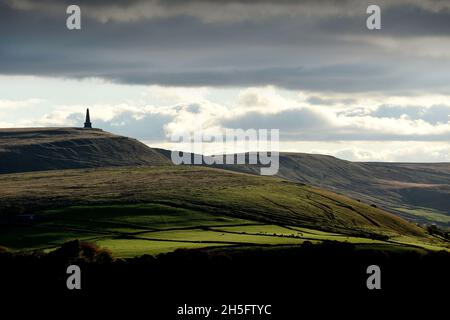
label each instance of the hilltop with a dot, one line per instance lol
(37, 149)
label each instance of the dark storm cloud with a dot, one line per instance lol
(342, 78)
(309, 45)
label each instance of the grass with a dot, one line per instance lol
(159, 209)
(388, 185)
(134, 217)
(224, 193)
(126, 248)
(207, 236)
(427, 214)
(131, 230)
(31, 237)
(153, 228)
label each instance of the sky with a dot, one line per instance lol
(312, 69)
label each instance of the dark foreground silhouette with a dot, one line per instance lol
(291, 279)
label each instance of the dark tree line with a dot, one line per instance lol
(283, 276)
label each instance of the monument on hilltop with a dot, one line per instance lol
(87, 123)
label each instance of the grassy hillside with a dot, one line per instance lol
(36, 149)
(155, 209)
(418, 192)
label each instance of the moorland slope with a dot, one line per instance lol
(37, 149)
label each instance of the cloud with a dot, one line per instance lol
(327, 118)
(288, 121)
(314, 100)
(371, 127)
(409, 153)
(9, 105)
(307, 124)
(308, 45)
(149, 127)
(212, 11)
(298, 119)
(436, 114)
(208, 11)
(143, 122)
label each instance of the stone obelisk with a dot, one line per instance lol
(87, 123)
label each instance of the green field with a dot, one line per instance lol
(145, 228)
(131, 230)
(427, 214)
(148, 210)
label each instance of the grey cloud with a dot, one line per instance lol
(308, 125)
(341, 78)
(149, 127)
(305, 53)
(434, 114)
(193, 108)
(289, 120)
(314, 100)
(225, 10)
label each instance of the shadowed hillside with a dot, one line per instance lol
(417, 191)
(137, 210)
(37, 149)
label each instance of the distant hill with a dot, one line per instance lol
(417, 191)
(37, 149)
